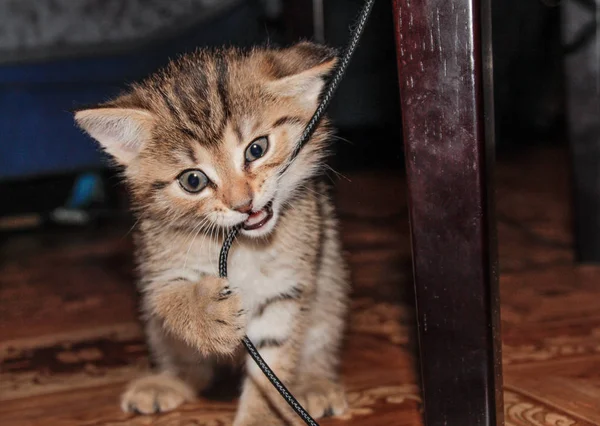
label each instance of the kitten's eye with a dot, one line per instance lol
(257, 148)
(193, 180)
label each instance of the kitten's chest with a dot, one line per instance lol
(258, 273)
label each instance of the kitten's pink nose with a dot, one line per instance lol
(245, 207)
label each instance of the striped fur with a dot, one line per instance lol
(287, 287)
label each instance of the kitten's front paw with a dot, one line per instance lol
(156, 393)
(321, 397)
(208, 314)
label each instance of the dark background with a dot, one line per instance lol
(46, 163)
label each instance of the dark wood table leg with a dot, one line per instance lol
(582, 75)
(444, 60)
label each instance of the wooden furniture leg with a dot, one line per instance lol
(444, 60)
(582, 78)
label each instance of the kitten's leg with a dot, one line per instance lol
(181, 373)
(319, 389)
(261, 404)
(188, 323)
(207, 314)
(278, 334)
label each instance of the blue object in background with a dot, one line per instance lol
(37, 132)
(87, 187)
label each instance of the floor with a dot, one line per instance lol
(69, 338)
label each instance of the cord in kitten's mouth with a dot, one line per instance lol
(259, 218)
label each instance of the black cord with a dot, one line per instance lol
(225, 251)
(310, 128)
(334, 82)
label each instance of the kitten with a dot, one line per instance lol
(202, 144)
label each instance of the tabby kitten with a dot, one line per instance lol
(203, 144)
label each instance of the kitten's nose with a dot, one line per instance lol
(243, 207)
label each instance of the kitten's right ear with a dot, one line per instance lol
(122, 132)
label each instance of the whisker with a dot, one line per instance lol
(339, 138)
(211, 245)
(131, 229)
(199, 227)
(311, 190)
(204, 239)
(336, 172)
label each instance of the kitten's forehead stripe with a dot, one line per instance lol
(175, 111)
(197, 95)
(172, 109)
(222, 75)
(194, 115)
(187, 132)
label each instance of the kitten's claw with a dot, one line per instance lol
(225, 293)
(132, 409)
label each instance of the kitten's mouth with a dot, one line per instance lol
(259, 218)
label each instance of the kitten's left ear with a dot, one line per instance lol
(308, 65)
(122, 132)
